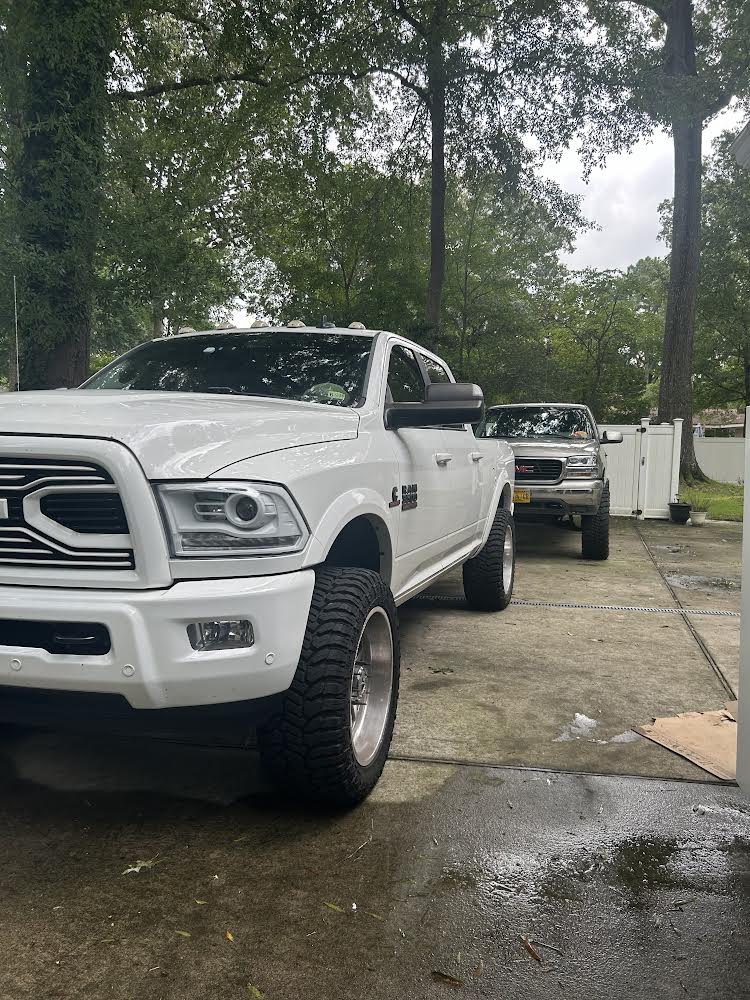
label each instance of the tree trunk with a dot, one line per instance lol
(63, 59)
(676, 390)
(157, 316)
(436, 78)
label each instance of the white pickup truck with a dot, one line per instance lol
(232, 517)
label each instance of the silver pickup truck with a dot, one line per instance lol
(560, 466)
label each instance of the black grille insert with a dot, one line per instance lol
(538, 470)
(88, 513)
(78, 495)
(62, 638)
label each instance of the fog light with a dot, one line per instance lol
(205, 636)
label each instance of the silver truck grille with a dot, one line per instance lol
(28, 544)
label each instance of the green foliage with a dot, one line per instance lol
(723, 341)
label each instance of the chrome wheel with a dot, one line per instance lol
(508, 559)
(372, 686)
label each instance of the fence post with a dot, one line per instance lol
(676, 453)
(743, 733)
(643, 473)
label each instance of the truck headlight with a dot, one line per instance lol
(231, 519)
(581, 466)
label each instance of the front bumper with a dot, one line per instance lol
(567, 497)
(151, 662)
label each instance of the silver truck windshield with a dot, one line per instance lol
(314, 367)
(537, 422)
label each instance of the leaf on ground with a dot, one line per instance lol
(373, 915)
(530, 948)
(229, 936)
(445, 977)
(140, 865)
(202, 902)
(254, 992)
(333, 906)
(184, 933)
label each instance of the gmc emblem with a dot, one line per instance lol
(525, 470)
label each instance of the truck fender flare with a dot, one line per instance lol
(342, 511)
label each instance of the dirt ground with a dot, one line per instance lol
(502, 816)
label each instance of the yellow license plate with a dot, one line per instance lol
(522, 496)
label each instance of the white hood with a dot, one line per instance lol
(177, 435)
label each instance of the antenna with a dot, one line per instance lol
(15, 311)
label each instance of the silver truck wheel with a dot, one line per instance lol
(330, 738)
(489, 576)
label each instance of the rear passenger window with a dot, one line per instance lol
(435, 370)
(405, 376)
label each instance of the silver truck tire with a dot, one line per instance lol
(489, 576)
(330, 737)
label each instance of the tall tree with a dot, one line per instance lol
(56, 59)
(700, 62)
(63, 65)
(723, 334)
(491, 76)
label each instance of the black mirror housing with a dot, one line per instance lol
(445, 403)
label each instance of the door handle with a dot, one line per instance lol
(443, 457)
(476, 456)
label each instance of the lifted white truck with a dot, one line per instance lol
(232, 517)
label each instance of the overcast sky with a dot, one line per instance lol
(623, 198)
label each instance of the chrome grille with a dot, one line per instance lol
(29, 544)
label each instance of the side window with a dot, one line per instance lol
(405, 376)
(436, 371)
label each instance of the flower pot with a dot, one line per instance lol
(679, 511)
(697, 517)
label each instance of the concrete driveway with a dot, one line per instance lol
(622, 886)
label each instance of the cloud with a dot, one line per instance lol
(623, 198)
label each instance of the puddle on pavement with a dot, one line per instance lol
(689, 582)
(636, 868)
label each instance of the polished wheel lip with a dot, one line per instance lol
(371, 686)
(508, 559)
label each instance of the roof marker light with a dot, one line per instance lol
(295, 324)
(357, 326)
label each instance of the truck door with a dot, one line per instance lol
(471, 480)
(425, 500)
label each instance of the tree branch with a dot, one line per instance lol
(399, 8)
(174, 86)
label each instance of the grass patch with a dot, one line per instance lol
(722, 501)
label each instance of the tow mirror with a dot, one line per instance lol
(445, 403)
(612, 437)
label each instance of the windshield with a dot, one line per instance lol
(536, 422)
(313, 367)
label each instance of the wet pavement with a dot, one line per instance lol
(621, 886)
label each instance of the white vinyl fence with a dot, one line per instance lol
(722, 458)
(644, 471)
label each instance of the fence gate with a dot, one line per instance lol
(644, 471)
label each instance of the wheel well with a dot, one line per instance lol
(364, 543)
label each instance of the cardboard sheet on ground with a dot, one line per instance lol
(708, 739)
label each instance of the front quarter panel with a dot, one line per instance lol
(501, 475)
(332, 483)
